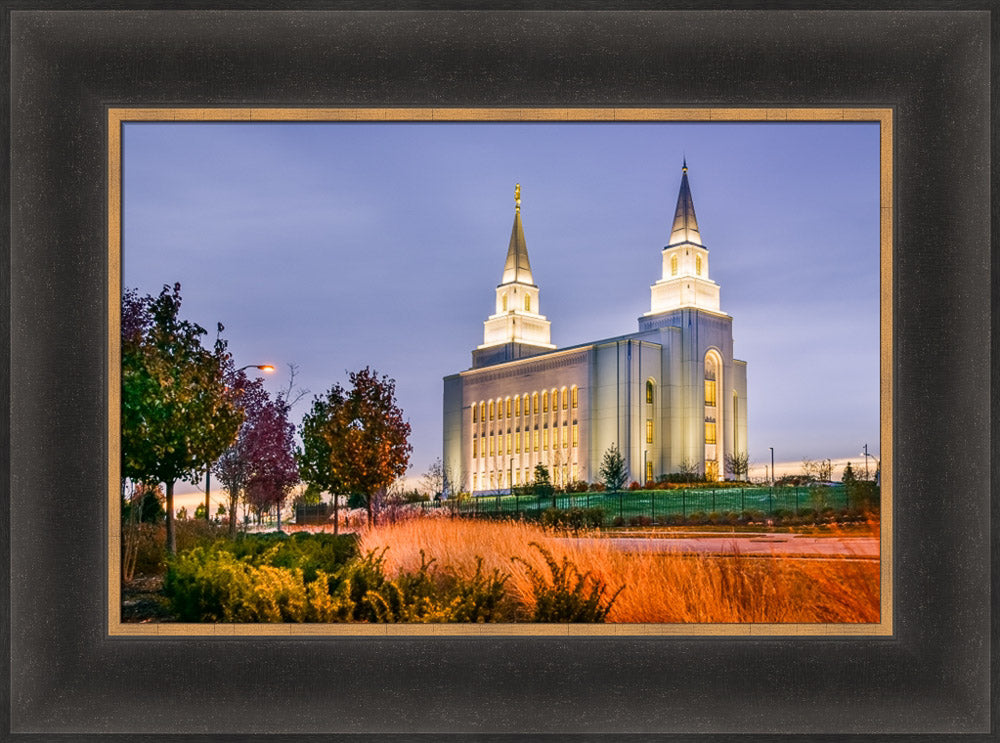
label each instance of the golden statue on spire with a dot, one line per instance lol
(517, 197)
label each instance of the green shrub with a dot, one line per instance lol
(697, 517)
(573, 518)
(216, 585)
(566, 595)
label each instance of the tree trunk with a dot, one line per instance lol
(278, 506)
(171, 540)
(232, 513)
(208, 480)
(336, 514)
(371, 511)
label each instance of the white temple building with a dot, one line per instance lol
(670, 395)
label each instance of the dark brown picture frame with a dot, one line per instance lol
(66, 675)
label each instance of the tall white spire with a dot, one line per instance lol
(685, 281)
(517, 319)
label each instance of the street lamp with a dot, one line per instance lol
(208, 470)
(865, 452)
(771, 500)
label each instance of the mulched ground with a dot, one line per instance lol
(143, 600)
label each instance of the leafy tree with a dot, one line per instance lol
(315, 457)
(848, 477)
(356, 440)
(234, 466)
(270, 446)
(613, 471)
(177, 413)
(543, 483)
(739, 464)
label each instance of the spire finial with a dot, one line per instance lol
(517, 197)
(684, 167)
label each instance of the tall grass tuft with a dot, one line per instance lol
(658, 588)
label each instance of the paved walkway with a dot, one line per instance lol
(761, 545)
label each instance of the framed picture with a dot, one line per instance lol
(78, 74)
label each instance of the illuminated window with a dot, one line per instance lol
(517, 406)
(482, 444)
(517, 476)
(673, 265)
(649, 430)
(482, 411)
(492, 446)
(565, 397)
(534, 402)
(649, 393)
(501, 478)
(492, 408)
(508, 407)
(517, 444)
(475, 482)
(527, 303)
(710, 392)
(509, 449)
(545, 440)
(535, 447)
(565, 436)
(475, 413)
(709, 432)
(493, 480)
(697, 264)
(576, 435)
(475, 448)
(504, 302)
(545, 402)
(574, 398)
(649, 471)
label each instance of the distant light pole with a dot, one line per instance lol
(208, 470)
(771, 503)
(865, 452)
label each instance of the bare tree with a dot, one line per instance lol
(739, 464)
(433, 480)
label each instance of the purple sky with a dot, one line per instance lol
(335, 246)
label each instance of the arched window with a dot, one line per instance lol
(673, 265)
(517, 405)
(482, 411)
(565, 398)
(527, 303)
(545, 401)
(492, 409)
(475, 413)
(534, 402)
(649, 392)
(697, 264)
(573, 395)
(508, 407)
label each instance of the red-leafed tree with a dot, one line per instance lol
(356, 440)
(233, 467)
(270, 451)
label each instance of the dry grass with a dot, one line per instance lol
(659, 588)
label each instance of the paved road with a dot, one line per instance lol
(763, 545)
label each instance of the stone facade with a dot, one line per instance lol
(669, 396)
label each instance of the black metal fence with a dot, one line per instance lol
(660, 505)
